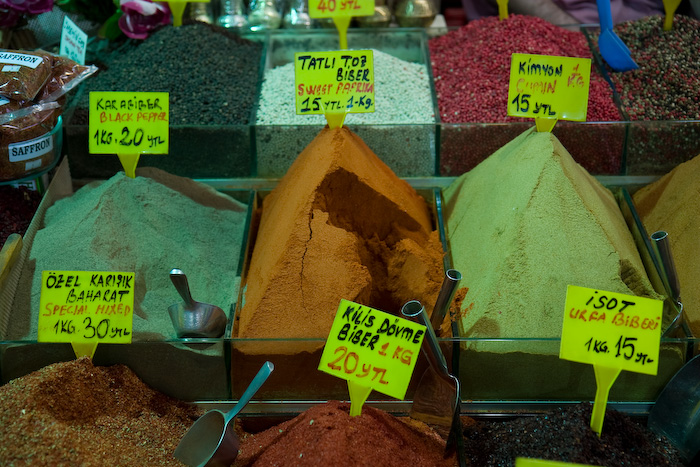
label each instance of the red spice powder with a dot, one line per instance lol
(472, 66)
(75, 413)
(326, 435)
(17, 207)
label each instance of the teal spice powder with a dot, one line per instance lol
(524, 224)
(145, 226)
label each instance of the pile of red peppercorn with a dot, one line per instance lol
(17, 207)
(472, 66)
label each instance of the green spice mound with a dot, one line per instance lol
(524, 224)
(146, 225)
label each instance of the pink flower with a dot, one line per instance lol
(32, 7)
(142, 17)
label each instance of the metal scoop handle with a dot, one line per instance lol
(250, 391)
(662, 247)
(179, 280)
(444, 298)
(415, 311)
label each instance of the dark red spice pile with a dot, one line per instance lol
(327, 435)
(566, 436)
(17, 207)
(75, 413)
(666, 86)
(472, 65)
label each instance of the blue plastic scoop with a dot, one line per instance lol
(613, 50)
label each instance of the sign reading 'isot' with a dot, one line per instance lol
(372, 348)
(544, 86)
(86, 306)
(611, 329)
(334, 81)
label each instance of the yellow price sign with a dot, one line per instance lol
(529, 462)
(86, 307)
(548, 87)
(335, 8)
(372, 348)
(128, 123)
(611, 330)
(334, 81)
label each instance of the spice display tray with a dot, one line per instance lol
(176, 367)
(296, 359)
(531, 370)
(597, 146)
(408, 149)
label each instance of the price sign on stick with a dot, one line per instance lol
(342, 12)
(335, 82)
(371, 349)
(86, 308)
(548, 88)
(129, 124)
(613, 332)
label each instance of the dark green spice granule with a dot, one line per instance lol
(210, 73)
(566, 436)
(667, 84)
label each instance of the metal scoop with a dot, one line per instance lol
(191, 318)
(676, 413)
(613, 50)
(212, 440)
(436, 399)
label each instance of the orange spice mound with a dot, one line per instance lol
(327, 435)
(340, 224)
(75, 413)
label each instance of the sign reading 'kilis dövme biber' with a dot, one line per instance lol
(86, 306)
(372, 348)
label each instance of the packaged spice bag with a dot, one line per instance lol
(23, 74)
(65, 75)
(27, 140)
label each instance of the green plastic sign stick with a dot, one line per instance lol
(177, 8)
(86, 308)
(371, 349)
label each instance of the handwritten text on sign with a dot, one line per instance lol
(545, 86)
(129, 122)
(372, 348)
(611, 329)
(333, 81)
(331, 8)
(86, 306)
